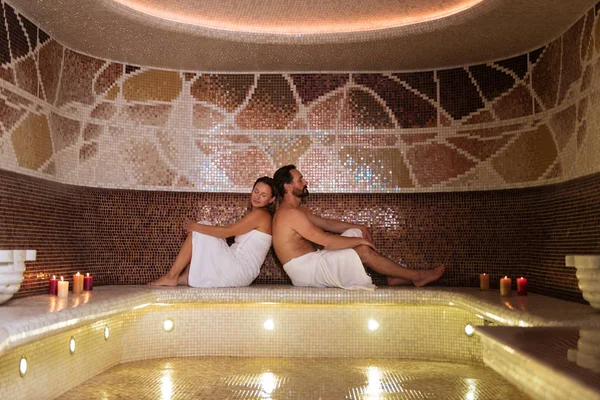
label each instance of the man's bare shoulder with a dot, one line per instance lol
(290, 214)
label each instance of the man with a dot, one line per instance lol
(340, 264)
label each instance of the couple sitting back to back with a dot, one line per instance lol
(295, 230)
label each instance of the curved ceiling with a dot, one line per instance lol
(309, 36)
(294, 21)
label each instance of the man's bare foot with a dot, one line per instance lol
(164, 281)
(391, 281)
(430, 275)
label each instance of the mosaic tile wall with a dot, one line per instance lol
(131, 237)
(524, 121)
(102, 126)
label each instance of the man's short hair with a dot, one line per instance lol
(283, 176)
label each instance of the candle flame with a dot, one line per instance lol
(53, 276)
(77, 273)
(506, 277)
(88, 274)
(61, 278)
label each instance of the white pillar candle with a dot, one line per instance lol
(63, 288)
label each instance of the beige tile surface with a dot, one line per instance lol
(520, 353)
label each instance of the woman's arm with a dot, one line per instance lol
(244, 225)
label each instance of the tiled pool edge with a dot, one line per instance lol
(77, 311)
(538, 379)
(54, 319)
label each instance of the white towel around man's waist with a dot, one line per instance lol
(330, 268)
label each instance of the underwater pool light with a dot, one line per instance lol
(168, 325)
(269, 325)
(22, 366)
(373, 325)
(72, 345)
(469, 330)
(106, 332)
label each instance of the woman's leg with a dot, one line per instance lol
(183, 278)
(183, 259)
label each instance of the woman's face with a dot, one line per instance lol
(261, 195)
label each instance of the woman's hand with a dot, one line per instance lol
(190, 226)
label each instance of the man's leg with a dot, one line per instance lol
(396, 274)
(183, 259)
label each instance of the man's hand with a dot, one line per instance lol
(366, 234)
(367, 242)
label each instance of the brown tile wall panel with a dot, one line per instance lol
(131, 237)
(42, 215)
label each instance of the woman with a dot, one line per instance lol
(212, 262)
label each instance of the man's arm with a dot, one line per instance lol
(335, 226)
(301, 223)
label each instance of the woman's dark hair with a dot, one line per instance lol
(267, 181)
(283, 176)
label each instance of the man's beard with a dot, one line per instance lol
(301, 193)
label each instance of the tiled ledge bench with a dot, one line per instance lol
(33, 318)
(24, 322)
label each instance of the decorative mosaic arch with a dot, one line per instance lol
(524, 121)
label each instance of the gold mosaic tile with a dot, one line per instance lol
(32, 142)
(285, 378)
(51, 368)
(152, 85)
(428, 333)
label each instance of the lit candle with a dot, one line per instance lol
(88, 282)
(505, 286)
(53, 290)
(522, 286)
(484, 282)
(77, 283)
(63, 288)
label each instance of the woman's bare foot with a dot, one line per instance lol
(164, 281)
(391, 281)
(183, 279)
(430, 275)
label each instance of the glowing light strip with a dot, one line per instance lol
(294, 29)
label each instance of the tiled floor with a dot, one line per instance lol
(294, 378)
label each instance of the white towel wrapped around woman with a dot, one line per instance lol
(215, 264)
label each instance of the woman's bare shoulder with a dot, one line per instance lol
(260, 213)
